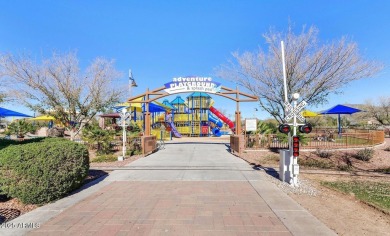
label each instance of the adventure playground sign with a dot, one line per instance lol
(192, 84)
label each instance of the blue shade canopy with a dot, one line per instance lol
(178, 100)
(154, 108)
(199, 94)
(168, 104)
(5, 112)
(340, 109)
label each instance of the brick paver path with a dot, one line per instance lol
(185, 189)
(169, 208)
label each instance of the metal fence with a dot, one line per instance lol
(117, 143)
(131, 142)
(321, 138)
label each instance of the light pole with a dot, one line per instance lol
(124, 116)
(132, 84)
(254, 113)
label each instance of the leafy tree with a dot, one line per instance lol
(313, 70)
(3, 94)
(266, 127)
(58, 87)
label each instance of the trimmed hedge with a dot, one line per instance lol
(42, 171)
(7, 142)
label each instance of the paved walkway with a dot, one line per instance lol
(185, 189)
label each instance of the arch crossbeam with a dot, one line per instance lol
(232, 94)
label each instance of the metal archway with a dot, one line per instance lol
(237, 141)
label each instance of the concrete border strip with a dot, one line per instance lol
(296, 218)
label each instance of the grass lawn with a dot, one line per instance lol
(315, 163)
(105, 158)
(374, 193)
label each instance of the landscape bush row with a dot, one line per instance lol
(42, 170)
(365, 154)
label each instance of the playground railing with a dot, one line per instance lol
(131, 143)
(190, 117)
(165, 135)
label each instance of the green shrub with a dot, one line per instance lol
(93, 134)
(323, 153)
(20, 128)
(272, 158)
(7, 142)
(365, 154)
(135, 147)
(134, 128)
(251, 143)
(41, 172)
(344, 167)
(105, 158)
(313, 163)
(385, 170)
(54, 140)
(133, 152)
(136, 152)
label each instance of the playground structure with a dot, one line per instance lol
(195, 117)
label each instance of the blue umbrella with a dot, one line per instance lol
(340, 109)
(5, 112)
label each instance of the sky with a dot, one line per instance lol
(159, 40)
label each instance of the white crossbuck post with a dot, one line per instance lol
(296, 111)
(289, 168)
(124, 116)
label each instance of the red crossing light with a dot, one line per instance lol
(306, 128)
(284, 128)
(295, 146)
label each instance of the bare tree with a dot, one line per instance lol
(380, 111)
(3, 90)
(58, 87)
(313, 70)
